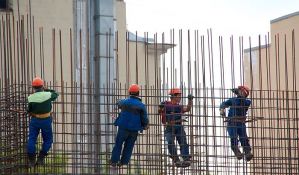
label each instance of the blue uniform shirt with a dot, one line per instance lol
(173, 112)
(238, 106)
(133, 115)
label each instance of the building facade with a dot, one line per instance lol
(271, 73)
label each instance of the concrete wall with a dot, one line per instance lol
(46, 18)
(274, 67)
(135, 59)
(281, 37)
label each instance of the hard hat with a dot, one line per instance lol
(244, 89)
(37, 81)
(175, 91)
(134, 88)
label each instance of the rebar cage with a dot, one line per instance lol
(201, 65)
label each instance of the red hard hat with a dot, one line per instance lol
(244, 89)
(175, 91)
(37, 81)
(134, 88)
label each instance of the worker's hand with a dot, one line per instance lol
(146, 127)
(45, 88)
(190, 97)
(171, 122)
(184, 120)
(222, 112)
(161, 106)
(114, 116)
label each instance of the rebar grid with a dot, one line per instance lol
(83, 115)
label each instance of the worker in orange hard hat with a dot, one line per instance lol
(39, 107)
(132, 118)
(174, 91)
(171, 113)
(236, 118)
(134, 89)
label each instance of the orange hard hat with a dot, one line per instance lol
(244, 89)
(134, 88)
(175, 91)
(37, 81)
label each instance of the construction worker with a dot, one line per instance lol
(174, 128)
(238, 107)
(39, 108)
(132, 118)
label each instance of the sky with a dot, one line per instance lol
(225, 17)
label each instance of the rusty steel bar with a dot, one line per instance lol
(203, 65)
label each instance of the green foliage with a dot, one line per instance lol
(10, 157)
(134, 169)
(55, 163)
(16, 158)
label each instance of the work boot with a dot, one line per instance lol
(113, 164)
(187, 159)
(237, 152)
(186, 162)
(31, 160)
(175, 159)
(41, 158)
(248, 156)
(120, 164)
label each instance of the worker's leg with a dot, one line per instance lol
(232, 132)
(244, 138)
(184, 147)
(245, 142)
(182, 140)
(128, 148)
(170, 136)
(33, 134)
(121, 136)
(47, 134)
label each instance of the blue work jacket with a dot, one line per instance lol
(173, 111)
(238, 106)
(133, 115)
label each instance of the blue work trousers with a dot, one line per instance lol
(126, 138)
(238, 130)
(35, 126)
(178, 132)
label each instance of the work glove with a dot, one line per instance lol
(146, 127)
(190, 97)
(161, 106)
(171, 122)
(222, 112)
(235, 91)
(48, 90)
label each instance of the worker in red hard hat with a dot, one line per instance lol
(132, 118)
(236, 128)
(39, 108)
(172, 111)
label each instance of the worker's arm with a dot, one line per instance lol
(144, 118)
(161, 107)
(54, 94)
(189, 105)
(224, 105)
(29, 108)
